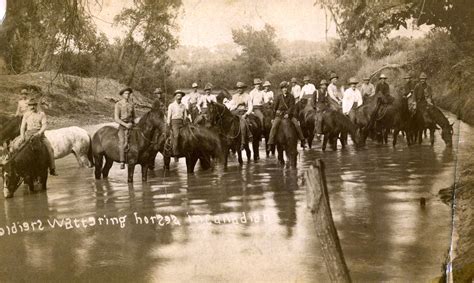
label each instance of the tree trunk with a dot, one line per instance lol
(128, 39)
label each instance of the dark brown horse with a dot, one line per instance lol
(333, 124)
(194, 143)
(429, 117)
(141, 139)
(9, 128)
(286, 140)
(267, 111)
(30, 163)
(227, 126)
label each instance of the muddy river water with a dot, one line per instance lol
(243, 224)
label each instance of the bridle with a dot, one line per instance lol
(219, 121)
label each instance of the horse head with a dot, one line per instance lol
(447, 134)
(216, 112)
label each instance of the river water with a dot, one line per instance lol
(244, 224)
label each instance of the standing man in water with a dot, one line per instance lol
(124, 116)
(176, 115)
(33, 125)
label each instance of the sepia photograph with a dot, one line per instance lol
(237, 140)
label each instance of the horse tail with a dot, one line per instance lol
(89, 152)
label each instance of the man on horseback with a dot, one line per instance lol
(239, 106)
(284, 106)
(202, 102)
(321, 94)
(367, 89)
(193, 97)
(407, 93)
(159, 102)
(423, 92)
(295, 89)
(22, 103)
(124, 115)
(33, 124)
(385, 99)
(334, 92)
(256, 101)
(351, 97)
(267, 93)
(176, 115)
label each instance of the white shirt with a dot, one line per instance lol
(204, 100)
(307, 90)
(267, 96)
(176, 111)
(296, 91)
(351, 96)
(256, 98)
(192, 97)
(334, 92)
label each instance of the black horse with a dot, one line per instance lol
(333, 124)
(286, 140)
(30, 162)
(227, 126)
(141, 138)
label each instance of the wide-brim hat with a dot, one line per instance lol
(323, 82)
(382, 76)
(333, 75)
(257, 81)
(353, 80)
(267, 83)
(423, 76)
(293, 80)
(129, 89)
(32, 102)
(240, 85)
(178, 91)
(208, 86)
(306, 78)
(194, 85)
(283, 84)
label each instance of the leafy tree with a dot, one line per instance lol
(149, 24)
(370, 20)
(259, 50)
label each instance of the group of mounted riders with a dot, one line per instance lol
(242, 118)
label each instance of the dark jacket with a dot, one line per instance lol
(384, 89)
(285, 104)
(408, 87)
(422, 92)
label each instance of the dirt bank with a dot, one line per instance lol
(68, 100)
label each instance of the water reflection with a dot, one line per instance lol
(374, 194)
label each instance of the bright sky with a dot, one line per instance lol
(210, 22)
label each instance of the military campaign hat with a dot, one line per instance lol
(257, 81)
(126, 89)
(423, 75)
(283, 84)
(323, 82)
(333, 75)
(179, 91)
(241, 85)
(293, 80)
(267, 83)
(353, 80)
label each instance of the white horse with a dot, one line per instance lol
(65, 141)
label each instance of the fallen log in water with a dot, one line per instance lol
(318, 203)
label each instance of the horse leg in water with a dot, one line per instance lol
(44, 179)
(131, 171)
(79, 159)
(108, 164)
(205, 162)
(145, 171)
(255, 146)
(333, 141)
(432, 137)
(343, 139)
(166, 162)
(281, 158)
(30, 182)
(325, 141)
(191, 163)
(248, 152)
(98, 161)
(395, 136)
(239, 157)
(420, 136)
